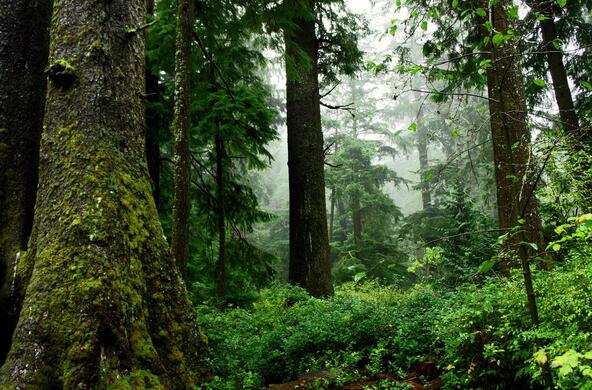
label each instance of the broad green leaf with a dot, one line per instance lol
(486, 266)
(562, 3)
(455, 133)
(539, 82)
(481, 12)
(556, 247)
(586, 85)
(412, 127)
(424, 25)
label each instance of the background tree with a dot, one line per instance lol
(105, 305)
(23, 57)
(182, 154)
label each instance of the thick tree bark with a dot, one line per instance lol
(514, 165)
(153, 123)
(105, 305)
(310, 266)
(182, 153)
(24, 44)
(514, 168)
(221, 263)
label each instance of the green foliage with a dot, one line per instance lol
(287, 332)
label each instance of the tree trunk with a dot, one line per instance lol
(153, 122)
(180, 236)
(221, 264)
(357, 221)
(567, 113)
(422, 149)
(332, 214)
(514, 165)
(512, 156)
(105, 305)
(310, 266)
(24, 44)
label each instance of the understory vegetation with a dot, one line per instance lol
(479, 334)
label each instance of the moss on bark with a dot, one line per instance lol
(105, 306)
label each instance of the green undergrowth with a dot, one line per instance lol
(479, 335)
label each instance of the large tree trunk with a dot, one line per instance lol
(153, 124)
(105, 305)
(310, 266)
(182, 153)
(24, 44)
(422, 149)
(514, 165)
(514, 168)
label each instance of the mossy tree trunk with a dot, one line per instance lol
(514, 163)
(24, 44)
(105, 305)
(310, 266)
(182, 153)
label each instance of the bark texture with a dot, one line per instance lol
(310, 266)
(514, 164)
(24, 44)
(422, 149)
(182, 153)
(153, 122)
(105, 305)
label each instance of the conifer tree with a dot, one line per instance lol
(182, 154)
(105, 306)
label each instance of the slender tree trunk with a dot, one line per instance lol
(221, 264)
(332, 214)
(514, 165)
(357, 221)
(567, 113)
(181, 213)
(422, 149)
(341, 218)
(105, 306)
(310, 266)
(153, 122)
(24, 45)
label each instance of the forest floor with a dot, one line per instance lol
(424, 378)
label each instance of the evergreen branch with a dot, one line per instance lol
(213, 63)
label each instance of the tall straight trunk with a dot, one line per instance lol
(357, 221)
(221, 263)
(514, 165)
(182, 153)
(567, 113)
(310, 266)
(332, 214)
(422, 149)
(341, 218)
(514, 168)
(105, 305)
(24, 44)
(153, 122)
